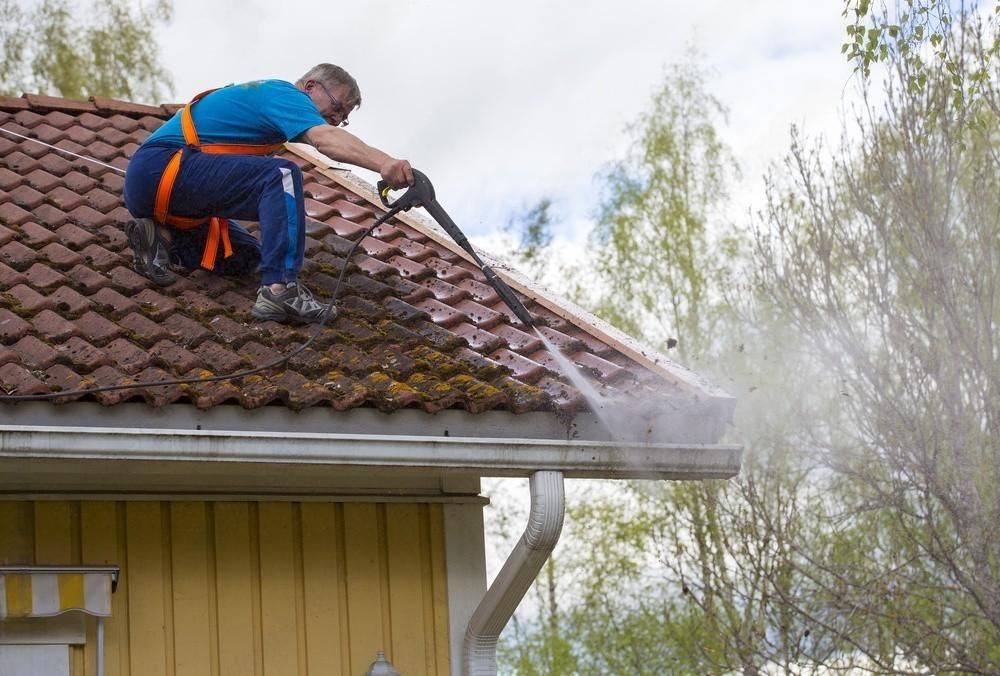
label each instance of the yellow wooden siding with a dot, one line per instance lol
(250, 589)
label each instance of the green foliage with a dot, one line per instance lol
(885, 261)
(13, 44)
(533, 228)
(106, 48)
(650, 244)
(921, 32)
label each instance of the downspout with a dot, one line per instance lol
(548, 506)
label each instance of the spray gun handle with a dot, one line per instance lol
(418, 194)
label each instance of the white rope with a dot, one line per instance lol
(62, 150)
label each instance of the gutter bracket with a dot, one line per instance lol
(545, 521)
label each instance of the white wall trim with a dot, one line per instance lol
(465, 560)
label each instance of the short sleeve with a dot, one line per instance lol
(288, 109)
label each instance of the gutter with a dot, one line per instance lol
(466, 455)
(548, 506)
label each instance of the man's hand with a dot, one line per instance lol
(397, 173)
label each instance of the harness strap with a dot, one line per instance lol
(218, 227)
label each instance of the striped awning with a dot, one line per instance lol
(45, 591)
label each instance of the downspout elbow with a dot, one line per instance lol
(548, 507)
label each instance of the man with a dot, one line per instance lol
(212, 162)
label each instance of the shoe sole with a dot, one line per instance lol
(141, 236)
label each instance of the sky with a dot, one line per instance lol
(503, 103)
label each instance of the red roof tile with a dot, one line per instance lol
(59, 256)
(34, 353)
(16, 379)
(17, 255)
(38, 179)
(9, 277)
(52, 327)
(10, 213)
(26, 197)
(42, 276)
(82, 354)
(10, 179)
(12, 327)
(478, 339)
(416, 321)
(524, 369)
(28, 300)
(69, 302)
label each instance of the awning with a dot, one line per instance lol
(45, 591)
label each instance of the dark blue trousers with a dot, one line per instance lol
(247, 187)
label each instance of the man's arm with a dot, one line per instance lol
(344, 146)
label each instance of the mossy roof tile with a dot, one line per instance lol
(416, 324)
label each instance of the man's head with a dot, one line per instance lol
(333, 90)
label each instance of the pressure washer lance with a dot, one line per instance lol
(421, 193)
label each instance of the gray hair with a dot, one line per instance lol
(330, 76)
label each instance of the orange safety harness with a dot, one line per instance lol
(218, 227)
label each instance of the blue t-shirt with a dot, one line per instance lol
(261, 112)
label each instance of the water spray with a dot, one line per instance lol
(421, 193)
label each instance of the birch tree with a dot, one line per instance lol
(75, 50)
(885, 259)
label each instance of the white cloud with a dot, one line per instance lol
(502, 103)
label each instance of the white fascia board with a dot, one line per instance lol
(465, 455)
(681, 425)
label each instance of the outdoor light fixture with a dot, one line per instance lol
(381, 666)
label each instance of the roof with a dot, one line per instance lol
(417, 326)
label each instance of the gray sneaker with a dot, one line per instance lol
(152, 256)
(294, 305)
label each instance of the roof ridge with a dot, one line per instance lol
(653, 360)
(41, 103)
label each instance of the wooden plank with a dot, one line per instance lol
(321, 580)
(277, 589)
(439, 581)
(427, 590)
(77, 663)
(189, 558)
(147, 608)
(364, 592)
(383, 579)
(17, 532)
(300, 589)
(234, 589)
(258, 640)
(212, 582)
(406, 579)
(54, 524)
(345, 620)
(99, 536)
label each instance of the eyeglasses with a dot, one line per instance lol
(338, 108)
